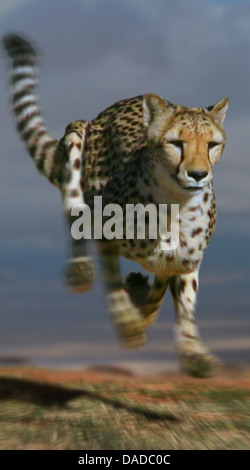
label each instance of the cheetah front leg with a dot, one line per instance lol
(195, 357)
(126, 317)
(148, 298)
(79, 273)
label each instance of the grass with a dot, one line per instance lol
(121, 416)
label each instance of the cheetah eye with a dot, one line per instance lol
(211, 145)
(176, 143)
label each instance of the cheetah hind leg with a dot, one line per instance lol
(79, 273)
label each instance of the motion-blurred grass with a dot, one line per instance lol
(123, 415)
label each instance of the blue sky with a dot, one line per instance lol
(95, 52)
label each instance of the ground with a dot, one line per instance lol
(113, 408)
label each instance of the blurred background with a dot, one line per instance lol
(93, 53)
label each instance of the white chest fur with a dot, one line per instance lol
(185, 254)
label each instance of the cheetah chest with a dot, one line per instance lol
(196, 224)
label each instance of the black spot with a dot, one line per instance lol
(173, 288)
(77, 163)
(74, 193)
(182, 285)
(194, 284)
(196, 231)
(205, 197)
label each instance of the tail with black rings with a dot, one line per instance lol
(25, 105)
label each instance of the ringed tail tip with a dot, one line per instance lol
(16, 45)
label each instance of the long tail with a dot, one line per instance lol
(29, 121)
(59, 161)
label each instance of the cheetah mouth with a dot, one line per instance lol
(191, 189)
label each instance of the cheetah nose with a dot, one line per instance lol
(197, 175)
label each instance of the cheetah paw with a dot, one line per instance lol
(200, 364)
(138, 287)
(131, 334)
(79, 274)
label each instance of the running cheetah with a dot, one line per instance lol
(139, 150)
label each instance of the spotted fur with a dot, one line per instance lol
(139, 150)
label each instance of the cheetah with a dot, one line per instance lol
(139, 150)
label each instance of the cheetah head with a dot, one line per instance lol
(189, 140)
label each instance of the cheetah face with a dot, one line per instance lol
(192, 140)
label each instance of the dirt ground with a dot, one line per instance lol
(114, 408)
(228, 377)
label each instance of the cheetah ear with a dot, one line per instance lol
(156, 111)
(219, 110)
